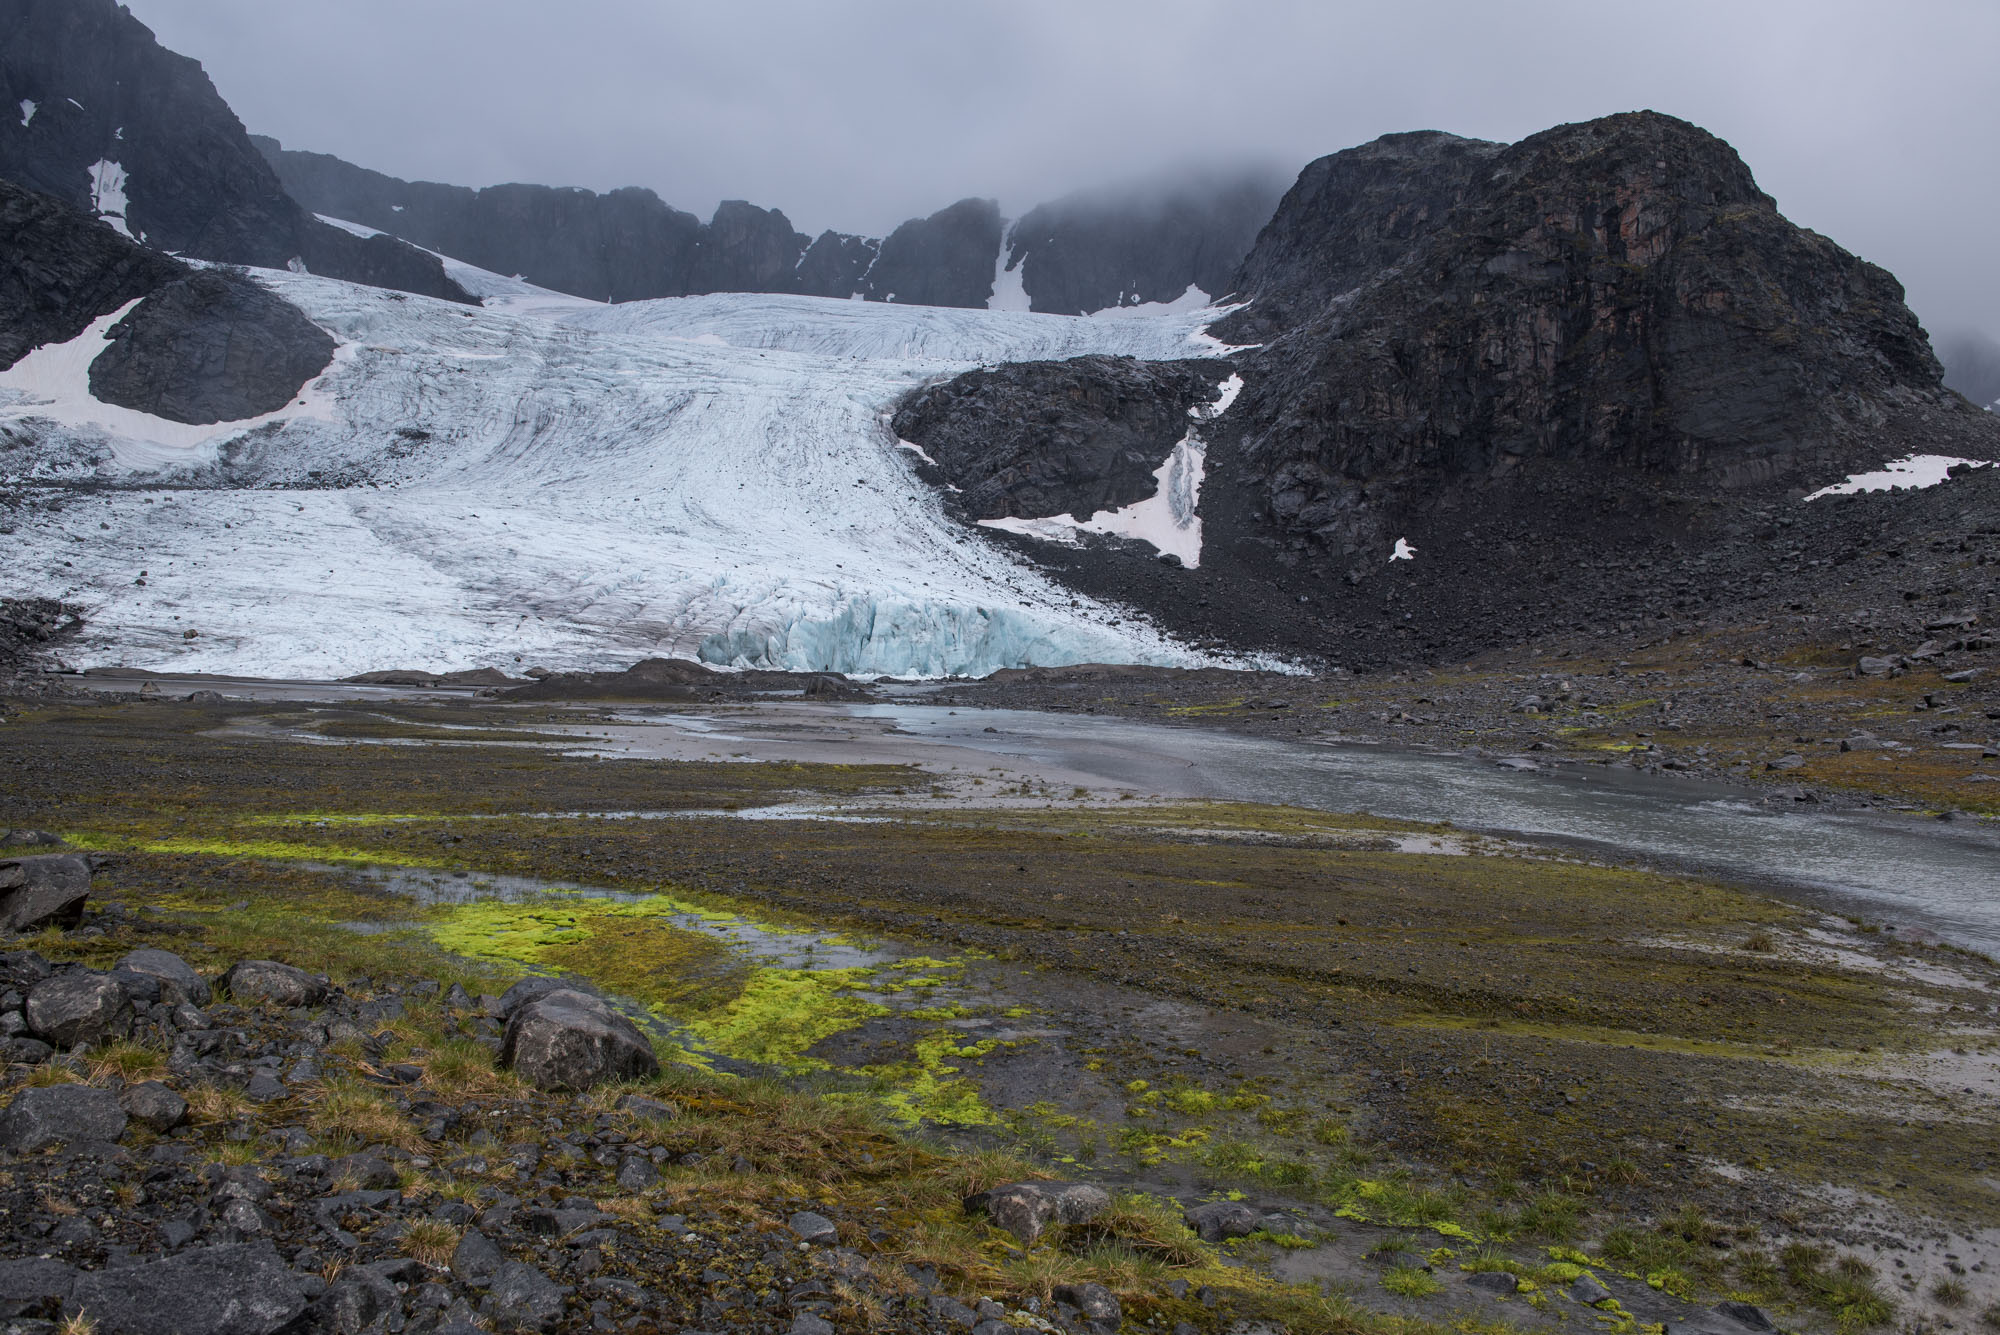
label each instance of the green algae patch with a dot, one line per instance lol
(931, 1087)
(269, 850)
(781, 1013)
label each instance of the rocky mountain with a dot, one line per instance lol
(1148, 242)
(1086, 252)
(1972, 367)
(102, 117)
(197, 346)
(1568, 372)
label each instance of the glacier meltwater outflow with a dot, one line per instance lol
(552, 481)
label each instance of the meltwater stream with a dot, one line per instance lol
(1944, 876)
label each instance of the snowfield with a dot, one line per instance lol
(553, 482)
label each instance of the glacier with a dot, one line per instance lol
(556, 482)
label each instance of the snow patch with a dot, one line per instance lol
(1168, 519)
(107, 193)
(1225, 395)
(355, 229)
(917, 450)
(1403, 551)
(1010, 292)
(1916, 470)
(28, 109)
(1194, 299)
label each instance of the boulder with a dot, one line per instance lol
(476, 1259)
(527, 990)
(46, 890)
(1096, 1302)
(523, 1298)
(153, 1105)
(178, 980)
(811, 1227)
(1222, 1219)
(33, 1287)
(46, 1115)
(1026, 1209)
(78, 1007)
(571, 1040)
(268, 980)
(236, 1289)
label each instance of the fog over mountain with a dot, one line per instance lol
(1870, 126)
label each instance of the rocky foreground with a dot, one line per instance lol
(249, 1155)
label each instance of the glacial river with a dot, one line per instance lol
(1943, 876)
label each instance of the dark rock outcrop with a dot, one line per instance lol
(746, 249)
(211, 347)
(61, 269)
(1123, 246)
(124, 129)
(1033, 439)
(946, 259)
(836, 264)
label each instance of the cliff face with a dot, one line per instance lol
(946, 259)
(1615, 302)
(100, 116)
(1125, 246)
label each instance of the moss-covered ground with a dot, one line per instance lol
(1496, 1049)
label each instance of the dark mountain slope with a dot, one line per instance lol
(1589, 382)
(61, 269)
(102, 117)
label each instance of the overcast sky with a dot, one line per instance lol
(1875, 123)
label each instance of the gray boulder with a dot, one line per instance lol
(1026, 1209)
(153, 1105)
(237, 1289)
(1222, 1219)
(527, 990)
(1096, 1302)
(476, 1259)
(33, 1287)
(43, 891)
(268, 980)
(523, 1298)
(78, 1007)
(811, 1227)
(177, 978)
(571, 1040)
(60, 1114)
